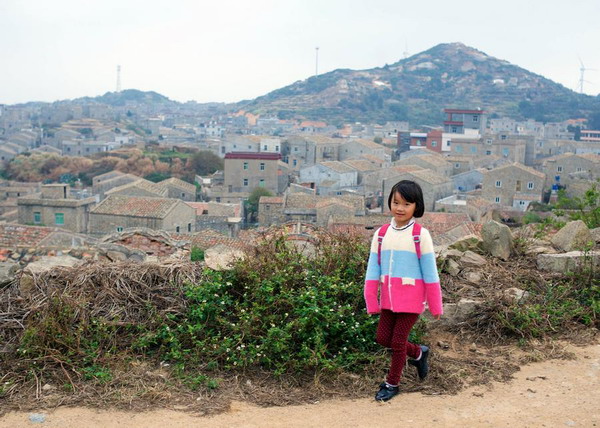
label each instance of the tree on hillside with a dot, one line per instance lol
(252, 203)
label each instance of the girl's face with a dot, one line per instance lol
(402, 210)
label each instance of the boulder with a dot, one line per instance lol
(565, 262)
(8, 270)
(471, 259)
(221, 257)
(474, 277)
(455, 313)
(451, 253)
(497, 239)
(573, 236)
(595, 234)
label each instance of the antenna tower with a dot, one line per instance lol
(317, 61)
(118, 78)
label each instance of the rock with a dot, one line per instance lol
(595, 235)
(116, 256)
(37, 418)
(565, 262)
(455, 313)
(515, 294)
(474, 277)
(471, 259)
(497, 240)
(443, 345)
(540, 250)
(221, 257)
(573, 236)
(452, 267)
(451, 253)
(48, 387)
(470, 242)
(8, 270)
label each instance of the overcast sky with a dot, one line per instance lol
(232, 50)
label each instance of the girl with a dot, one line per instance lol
(403, 272)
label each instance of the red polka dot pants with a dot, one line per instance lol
(392, 332)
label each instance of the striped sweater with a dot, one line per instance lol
(403, 282)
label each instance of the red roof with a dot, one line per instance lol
(249, 155)
(452, 110)
(453, 122)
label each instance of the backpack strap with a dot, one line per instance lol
(416, 232)
(382, 231)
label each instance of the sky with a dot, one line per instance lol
(228, 51)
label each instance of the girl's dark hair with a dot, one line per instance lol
(411, 192)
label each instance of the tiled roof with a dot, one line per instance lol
(176, 182)
(271, 200)
(521, 167)
(337, 166)
(208, 238)
(18, 235)
(430, 176)
(135, 206)
(373, 158)
(300, 201)
(142, 184)
(360, 165)
(366, 143)
(590, 156)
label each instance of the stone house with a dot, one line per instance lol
(356, 147)
(566, 168)
(45, 148)
(299, 152)
(373, 182)
(244, 172)
(338, 173)
(468, 180)
(55, 206)
(179, 189)
(119, 212)
(85, 147)
(270, 210)
(221, 217)
(362, 166)
(460, 164)
(7, 153)
(15, 189)
(513, 185)
(435, 186)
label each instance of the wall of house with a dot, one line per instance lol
(511, 180)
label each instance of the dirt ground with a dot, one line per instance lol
(548, 394)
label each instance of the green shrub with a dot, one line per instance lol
(196, 254)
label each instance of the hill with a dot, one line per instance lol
(128, 95)
(419, 87)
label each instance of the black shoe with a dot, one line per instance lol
(421, 363)
(386, 392)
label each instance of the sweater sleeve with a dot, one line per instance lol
(431, 277)
(371, 289)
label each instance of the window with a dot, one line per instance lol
(434, 144)
(262, 166)
(245, 181)
(458, 149)
(449, 143)
(261, 182)
(265, 147)
(276, 148)
(473, 149)
(497, 199)
(499, 183)
(295, 162)
(218, 199)
(235, 146)
(454, 129)
(518, 188)
(119, 229)
(183, 195)
(488, 141)
(59, 219)
(295, 149)
(530, 185)
(521, 202)
(189, 227)
(223, 149)
(505, 152)
(579, 169)
(503, 137)
(488, 152)
(177, 229)
(245, 165)
(559, 169)
(475, 118)
(456, 165)
(37, 218)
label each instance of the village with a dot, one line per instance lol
(302, 173)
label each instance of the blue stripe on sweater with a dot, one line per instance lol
(406, 265)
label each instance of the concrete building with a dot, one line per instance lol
(435, 186)
(566, 168)
(458, 120)
(244, 172)
(333, 175)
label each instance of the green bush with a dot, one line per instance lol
(196, 254)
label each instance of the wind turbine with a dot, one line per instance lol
(582, 71)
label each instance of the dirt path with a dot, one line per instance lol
(548, 394)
